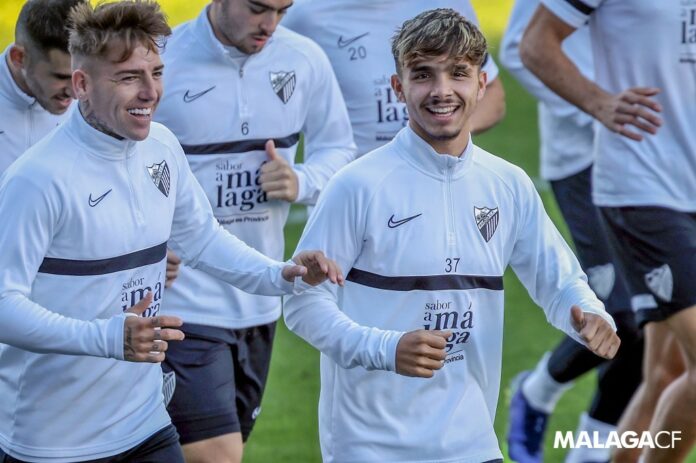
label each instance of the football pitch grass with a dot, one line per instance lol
(286, 430)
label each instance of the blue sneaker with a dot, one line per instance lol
(527, 426)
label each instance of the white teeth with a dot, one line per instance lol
(443, 110)
(141, 112)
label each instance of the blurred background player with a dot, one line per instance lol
(567, 134)
(430, 308)
(644, 178)
(235, 79)
(355, 35)
(35, 88)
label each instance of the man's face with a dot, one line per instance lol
(47, 76)
(440, 94)
(120, 98)
(247, 24)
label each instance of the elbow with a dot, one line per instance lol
(529, 53)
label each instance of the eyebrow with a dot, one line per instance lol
(268, 7)
(137, 71)
(60, 75)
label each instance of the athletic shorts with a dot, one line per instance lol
(592, 247)
(657, 249)
(220, 378)
(161, 447)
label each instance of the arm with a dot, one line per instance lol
(491, 108)
(552, 275)
(30, 216)
(199, 240)
(542, 54)
(328, 134)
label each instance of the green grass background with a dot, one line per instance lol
(287, 428)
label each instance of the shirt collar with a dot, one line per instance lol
(419, 153)
(9, 87)
(96, 142)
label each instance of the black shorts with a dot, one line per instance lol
(589, 232)
(220, 377)
(657, 248)
(161, 447)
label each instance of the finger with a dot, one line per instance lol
(159, 346)
(645, 91)
(165, 321)
(282, 172)
(428, 363)
(172, 257)
(271, 151)
(623, 130)
(642, 100)
(435, 354)
(168, 335)
(154, 357)
(276, 185)
(290, 272)
(142, 305)
(577, 318)
(636, 122)
(630, 114)
(437, 339)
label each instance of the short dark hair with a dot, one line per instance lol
(130, 23)
(42, 24)
(441, 31)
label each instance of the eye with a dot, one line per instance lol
(157, 74)
(421, 75)
(131, 78)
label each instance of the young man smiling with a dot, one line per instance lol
(236, 80)
(35, 89)
(88, 214)
(431, 308)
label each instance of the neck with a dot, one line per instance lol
(212, 19)
(91, 118)
(16, 73)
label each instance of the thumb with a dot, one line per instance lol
(140, 307)
(271, 151)
(577, 318)
(289, 272)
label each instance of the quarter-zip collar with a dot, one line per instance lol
(419, 153)
(9, 87)
(95, 142)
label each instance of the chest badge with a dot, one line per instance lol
(283, 84)
(486, 221)
(159, 173)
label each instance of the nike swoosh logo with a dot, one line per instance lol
(189, 98)
(1, 132)
(344, 43)
(94, 202)
(396, 223)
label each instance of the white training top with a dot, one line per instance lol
(86, 224)
(223, 105)
(356, 35)
(567, 133)
(424, 240)
(644, 43)
(23, 121)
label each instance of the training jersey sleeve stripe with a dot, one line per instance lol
(241, 146)
(574, 12)
(425, 282)
(129, 261)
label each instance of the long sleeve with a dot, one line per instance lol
(205, 245)
(548, 268)
(30, 214)
(577, 46)
(328, 134)
(336, 227)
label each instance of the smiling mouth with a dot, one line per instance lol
(442, 111)
(140, 112)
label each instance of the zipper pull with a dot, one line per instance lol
(241, 72)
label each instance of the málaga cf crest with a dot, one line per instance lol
(486, 221)
(159, 173)
(283, 84)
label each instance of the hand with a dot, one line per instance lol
(596, 332)
(145, 339)
(421, 352)
(633, 107)
(173, 262)
(314, 268)
(278, 179)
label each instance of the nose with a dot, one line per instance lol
(270, 22)
(149, 89)
(441, 86)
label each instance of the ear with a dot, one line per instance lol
(482, 82)
(18, 56)
(398, 87)
(80, 84)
